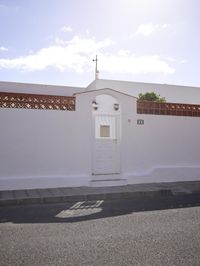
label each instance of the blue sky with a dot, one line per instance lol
(54, 41)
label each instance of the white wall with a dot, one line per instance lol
(165, 148)
(38, 88)
(172, 93)
(41, 148)
(48, 148)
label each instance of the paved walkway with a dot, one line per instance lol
(53, 195)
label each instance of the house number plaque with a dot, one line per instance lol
(140, 121)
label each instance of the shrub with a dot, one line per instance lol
(151, 96)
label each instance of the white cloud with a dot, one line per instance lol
(165, 26)
(183, 61)
(77, 54)
(132, 64)
(3, 49)
(66, 29)
(87, 32)
(148, 29)
(123, 52)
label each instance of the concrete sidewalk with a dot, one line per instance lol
(54, 195)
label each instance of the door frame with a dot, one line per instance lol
(117, 138)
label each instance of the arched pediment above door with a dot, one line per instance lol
(105, 104)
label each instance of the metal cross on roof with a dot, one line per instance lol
(96, 69)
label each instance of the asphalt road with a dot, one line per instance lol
(100, 233)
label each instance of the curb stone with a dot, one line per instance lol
(87, 197)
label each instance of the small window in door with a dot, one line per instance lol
(104, 131)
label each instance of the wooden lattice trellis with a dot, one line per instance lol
(178, 109)
(36, 101)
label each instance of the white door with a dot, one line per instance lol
(106, 148)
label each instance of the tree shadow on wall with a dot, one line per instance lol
(90, 210)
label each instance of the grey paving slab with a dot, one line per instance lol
(67, 191)
(78, 191)
(5, 195)
(94, 193)
(44, 193)
(20, 194)
(56, 192)
(32, 193)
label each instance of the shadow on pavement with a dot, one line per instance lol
(88, 210)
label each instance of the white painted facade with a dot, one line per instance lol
(172, 93)
(38, 88)
(50, 148)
